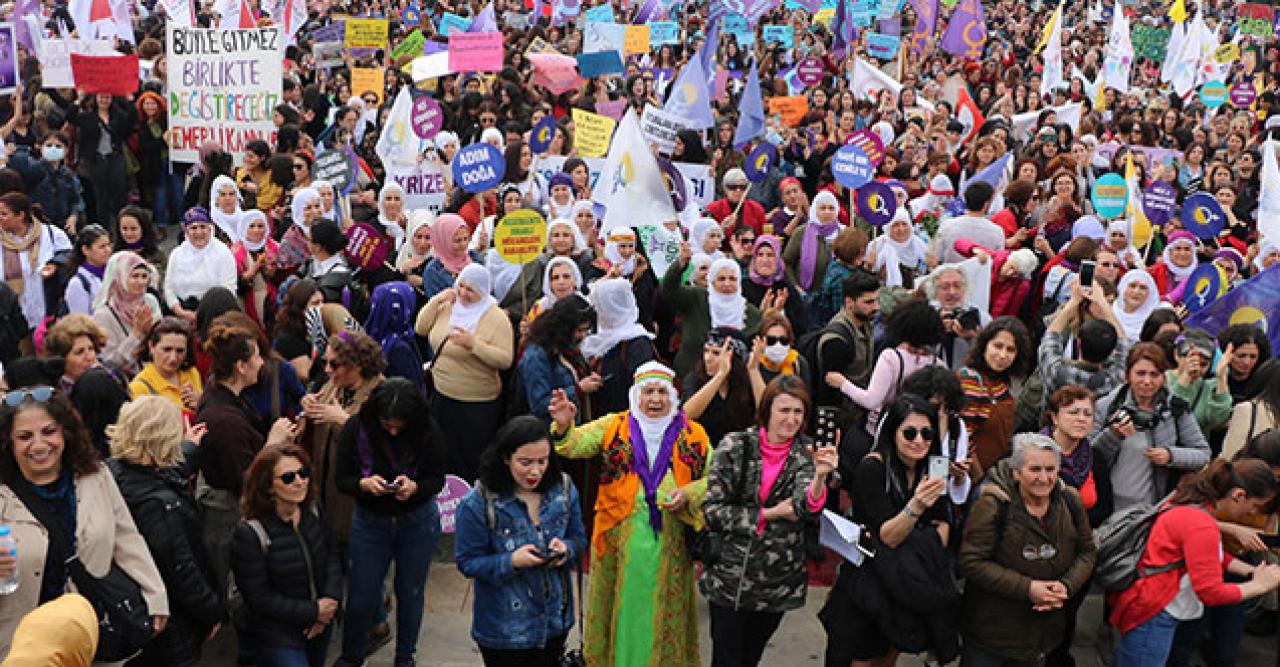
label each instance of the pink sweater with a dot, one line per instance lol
(773, 456)
(885, 378)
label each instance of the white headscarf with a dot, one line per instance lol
(446, 138)
(699, 260)
(332, 213)
(825, 196)
(468, 316)
(245, 220)
(393, 228)
(891, 254)
(653, 427)
(1130, 256)
(611, 253)
(1180, 272)
(700, 231)
(1265, 247)
(300, 200)
(617, 317)
(229, 223)
(1132, 322)
(579, 206)
(579, 244)
(727, 310)
(548, 298)
(493, 135)
(417, 220)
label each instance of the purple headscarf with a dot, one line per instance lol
(773, 242)
(812, 230)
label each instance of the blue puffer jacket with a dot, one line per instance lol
(519, 609)
(56, 190)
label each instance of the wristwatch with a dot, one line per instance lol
(910, 512)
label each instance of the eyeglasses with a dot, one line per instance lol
(1043, 552)
(303, 473)
(334, 363)
(911, 433)
(777, 340)
(735, 186)
(1109, 265)
(19, 396)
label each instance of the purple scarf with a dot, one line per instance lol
(1076, 466)
(809, 249)
(652, 472)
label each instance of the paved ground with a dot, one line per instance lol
(445, 640)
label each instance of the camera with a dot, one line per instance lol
(966, 316)
(1142, 421)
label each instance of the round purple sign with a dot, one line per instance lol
(876, 202)
(810, 71)
(674, 180)
(426, 117)
(1242, 94)
(760, 161)
(1159, 201)
(447, 501)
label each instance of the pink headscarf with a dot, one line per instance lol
(442, 233)
(121, 301)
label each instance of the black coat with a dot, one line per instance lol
(121, 122)
(168, 517)
(282, 584)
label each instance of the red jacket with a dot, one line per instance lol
(1164, 279)
(752, 214)
(1189, 533)
(1006, 295)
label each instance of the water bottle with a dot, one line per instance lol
(8, 545)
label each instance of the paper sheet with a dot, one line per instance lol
(841, 536)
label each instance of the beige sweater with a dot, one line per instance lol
(1238, 434)
(462, 374)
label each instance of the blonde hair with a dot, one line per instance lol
(148, 432)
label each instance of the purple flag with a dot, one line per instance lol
(22, 11)
(842, 28)
(651, 10)
(484, 21)
(966, 31)
(926, 23)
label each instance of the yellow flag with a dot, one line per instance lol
(1048, 29)
(1178, 11)
(1139, 225)
(1100, 104)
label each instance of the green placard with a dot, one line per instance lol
(1150, 41)
(411, 46)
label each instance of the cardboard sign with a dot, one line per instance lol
(329, 55)
(591, 65)
(367, 248)
(1227, 53)
(475, 52)
(612, 108)
(593, 133)
(851, 167)
(423, 185)
(792, 108)
(224, 86)
(367, 80)
(780, 34)
(663, 32)
(410, 47)
(366, 33)
(478, 167)
(93, 74)
(660, 128)
(451, 23)
(520, 236)
(1242, 94)
(636, 39)
(1213, 94)
(55, 58)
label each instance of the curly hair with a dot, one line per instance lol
(360, 350)
(257, 500)
(554, 330)
(977, 358)
(62, 336)
(148, 432)
(78, 451)
(915, 323)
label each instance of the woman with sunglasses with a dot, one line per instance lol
(774, 352)
(50, 469)
(903, 508)
(1027, 550)
(287, 563)
(302, 161)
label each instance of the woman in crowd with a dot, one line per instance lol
(1144, 433)
(471, 343)
(49, 178)
(1185, 565)
(51, 472)
(77, 339)
(1196, 381)
(224, 209)
(1139, 296)
(168, 363)
(807, 251)
(135, 232)
(98, 397)
(1000, 353)
(353, 365)
(89, 257)
(205, 263)
(519, 533)
(290, 331)
(641, 607)
(565, 246)
(903, 508)
(146, 446)
(103, 124)
(1257, 415)
(255, 254)
(718, 392)
(774, 348)
(1177, 263)
(390, 323)
(765, 483)
(899, 254)
(125, 310)
(295, 243)
(561, 278)
(391, 213)
(552, 359)
(766, 283)
(392, 458)
(286, 561)
(720, 304)
(1250, 350)
(416, 251)
(620, 344)
(449, 238)
(30, 241)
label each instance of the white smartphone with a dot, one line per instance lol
(939, 467)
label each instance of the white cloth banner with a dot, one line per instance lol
(423, 186)
(699, 181)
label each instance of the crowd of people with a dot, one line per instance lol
(208, 390)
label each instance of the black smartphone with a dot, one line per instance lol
(1272, 541)
(824, 432)
(1086, 275)
(548, 554)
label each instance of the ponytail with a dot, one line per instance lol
(1221, 477)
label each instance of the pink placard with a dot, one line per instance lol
(613, 109)
(475, 52)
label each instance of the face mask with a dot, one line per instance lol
(53, 153)
(776, 353)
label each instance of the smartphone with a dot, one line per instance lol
(393, 485)
(939, 467)
(548, 554)
(1086, 275)
(1272, 541)
(824, 433)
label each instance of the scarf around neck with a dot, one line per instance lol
(13, 248)
(652, 469)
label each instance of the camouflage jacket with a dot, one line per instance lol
(756, 572)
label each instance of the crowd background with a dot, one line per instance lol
(973, 355)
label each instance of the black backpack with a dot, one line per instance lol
(807, 346)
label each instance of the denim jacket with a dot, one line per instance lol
(540, 375)
(518, 609)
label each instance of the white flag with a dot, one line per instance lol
(399, 146)
(1187, 65)
(1269, 196)
(180, 12)
(1177, 37)
(1119, 61)
(631, 187)
(868, 81)
(1053, 56)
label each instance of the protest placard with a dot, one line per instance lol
(698, 178)
(558, 73)
(224, 86)
(329, 55)
(660, 128)
(516, 21)
(884, 47)
(423, 185)
(366, 33)
(663, 32)
(1257, 20)
(592, 133)
(93, 74)
(780, 34)
(636, 39)
(478, 167)
(9, 61)
(55, 58)
(427, 117)
(411, 46)
(333, 32)
(604, 37)
(792, 108)
(520, 236)
(367, 80)
(475, 52)
(600, 13)
(591, 65)
(612, 108)
(451, 23)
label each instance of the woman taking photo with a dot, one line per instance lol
(50, 469)
(552, 360)
(286, 560)
(1149, 612)
(641, 607)
(472, 342)
(1001, 352)
(201, 262)
(125, 310)
(392, 458)
(765, 483)
(1143, 432)
(1023, 502)
(146, 446)
(30, 242)
(168, 361)
(519, 533)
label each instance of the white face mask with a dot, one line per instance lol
(53, 153)
(776, 353)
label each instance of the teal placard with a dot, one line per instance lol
(780, 34)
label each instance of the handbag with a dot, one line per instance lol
(124, 622)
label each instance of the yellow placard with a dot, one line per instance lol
(824, 16)
(637, 39)
(366, 33)
(792, 108)
(592, 133)
(367, 79)
(1227, 53)
(520, 236)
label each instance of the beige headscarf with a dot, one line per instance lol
(60, 633)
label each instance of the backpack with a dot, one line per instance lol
(1030, 404)
(809, 344)
(1121, 540)
(235, 599)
